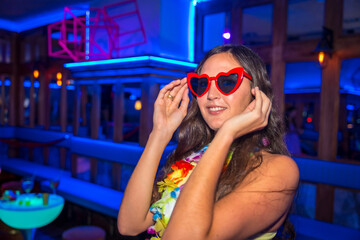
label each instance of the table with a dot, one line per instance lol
(27, 212)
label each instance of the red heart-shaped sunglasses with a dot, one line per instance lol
(226, 83)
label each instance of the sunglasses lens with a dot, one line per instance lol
(199, 85)
(227, 83)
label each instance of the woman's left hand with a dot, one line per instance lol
(253, 118)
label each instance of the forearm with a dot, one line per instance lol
(196, 201)
(137, 196)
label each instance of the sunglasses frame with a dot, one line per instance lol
(239, 70)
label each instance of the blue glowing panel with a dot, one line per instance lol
(174, 29)
(302, 77)
(39, 19)
(350, 76)
(214, 27)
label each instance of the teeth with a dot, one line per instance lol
(216, 108)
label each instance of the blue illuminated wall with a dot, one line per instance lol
(167, 25)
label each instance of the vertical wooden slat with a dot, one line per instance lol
(277, 62)
(21, 108)
(116, 176)
(118, 112)
(63, 102)
(149, 92)
(63, 152)
(41, 99)
(327, 145)
(14, 87)
(84, 100)
(32, 103)
(63, 115)
(76, 114)
(95, 123)
(74, 165)
(2, 99)
(47, 104)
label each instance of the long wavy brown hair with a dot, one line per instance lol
(194, 133)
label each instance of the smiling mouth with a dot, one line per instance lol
(214, 109)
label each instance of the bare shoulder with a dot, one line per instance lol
(281, 166)
(276, 172)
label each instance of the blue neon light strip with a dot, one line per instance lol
(128, 60)
(27, 83)
(55, 86)
(192, 31)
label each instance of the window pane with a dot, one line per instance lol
(305, 19)
(257, 24)
(351, 16)
(302, 101)
(349, 110)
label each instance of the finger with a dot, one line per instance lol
(175, 91)
(268, 111)
(185, 101)
(258, 100)
(167, 88)
(179, 95)
(265, 101)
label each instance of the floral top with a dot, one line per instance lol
(171, 187)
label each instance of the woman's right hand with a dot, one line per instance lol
(169, 113)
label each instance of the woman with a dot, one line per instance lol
(240, 183)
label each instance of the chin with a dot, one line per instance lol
(215, 126)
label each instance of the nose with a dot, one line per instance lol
(213, 92)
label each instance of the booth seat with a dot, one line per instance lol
(93, 196)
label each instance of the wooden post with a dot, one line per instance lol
(149, 92)
(95, 123)
(277, 62)
(76, 114)
(41, 100)
(118, 119)
(32, 103)
(47, 104)
(118, 112)
(21, 108)
(329, 110)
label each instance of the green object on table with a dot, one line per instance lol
(28, 211)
